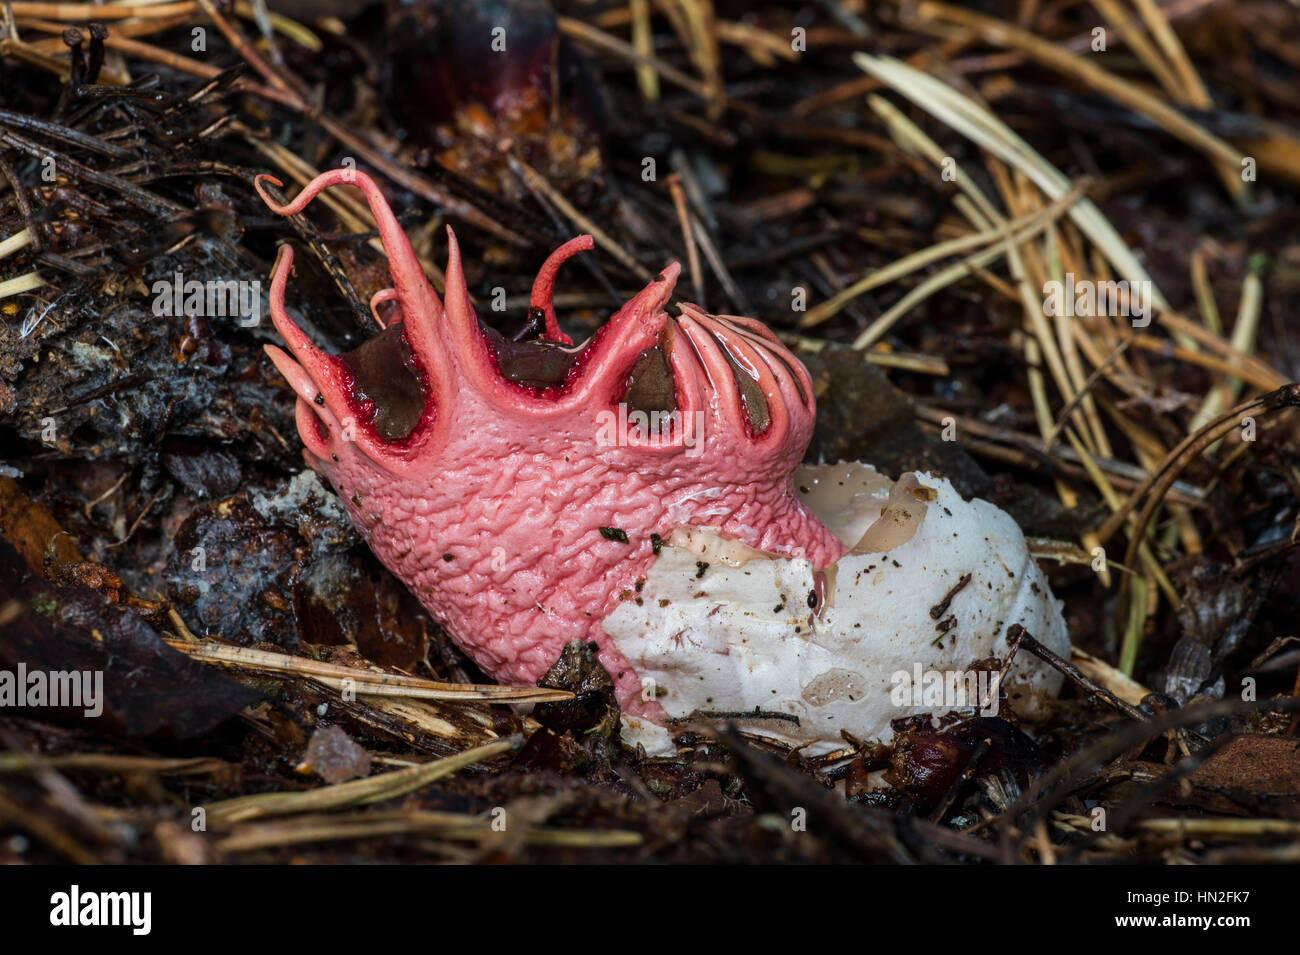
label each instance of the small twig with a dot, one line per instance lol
(1086, 388)
(451, 826)
(688, 237)
(1019, 636)
(364, 682)
(357, 792)
(23, 283)
(24, 206)
(586, 33)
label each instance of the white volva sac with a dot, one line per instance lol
(744, 633)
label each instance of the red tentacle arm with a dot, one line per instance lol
(544, 285)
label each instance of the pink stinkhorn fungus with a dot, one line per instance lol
(501, 509)
(524, 490)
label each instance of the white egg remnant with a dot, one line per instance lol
(930, 586)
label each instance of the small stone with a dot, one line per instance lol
(334, 756)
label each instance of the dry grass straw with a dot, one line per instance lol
(1045, 230)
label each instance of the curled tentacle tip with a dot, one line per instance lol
(544, 285)
(259, 182)
(283, 258)
(379, 298)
